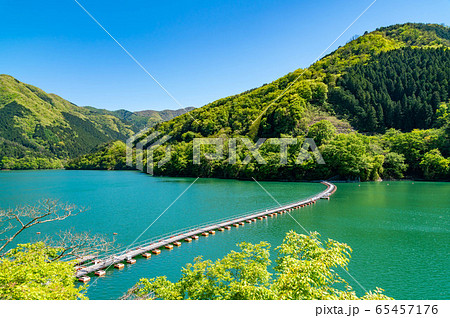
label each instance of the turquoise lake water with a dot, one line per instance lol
(399, 231)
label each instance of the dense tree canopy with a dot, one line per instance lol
(110, 156)
(306, 268)
(351, 156)
(400, 89)
(27, 273)
(435, 166)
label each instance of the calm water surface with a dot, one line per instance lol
(399, 231)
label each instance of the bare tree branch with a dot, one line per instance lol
(14, 221)
(79, 245)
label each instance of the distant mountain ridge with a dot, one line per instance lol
(144, 118)
(162, 115)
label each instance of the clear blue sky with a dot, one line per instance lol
(199, 50)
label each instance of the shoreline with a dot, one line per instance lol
(239, 179)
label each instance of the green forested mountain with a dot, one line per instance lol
(34, 124)
(394, 77)
(411, 55)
